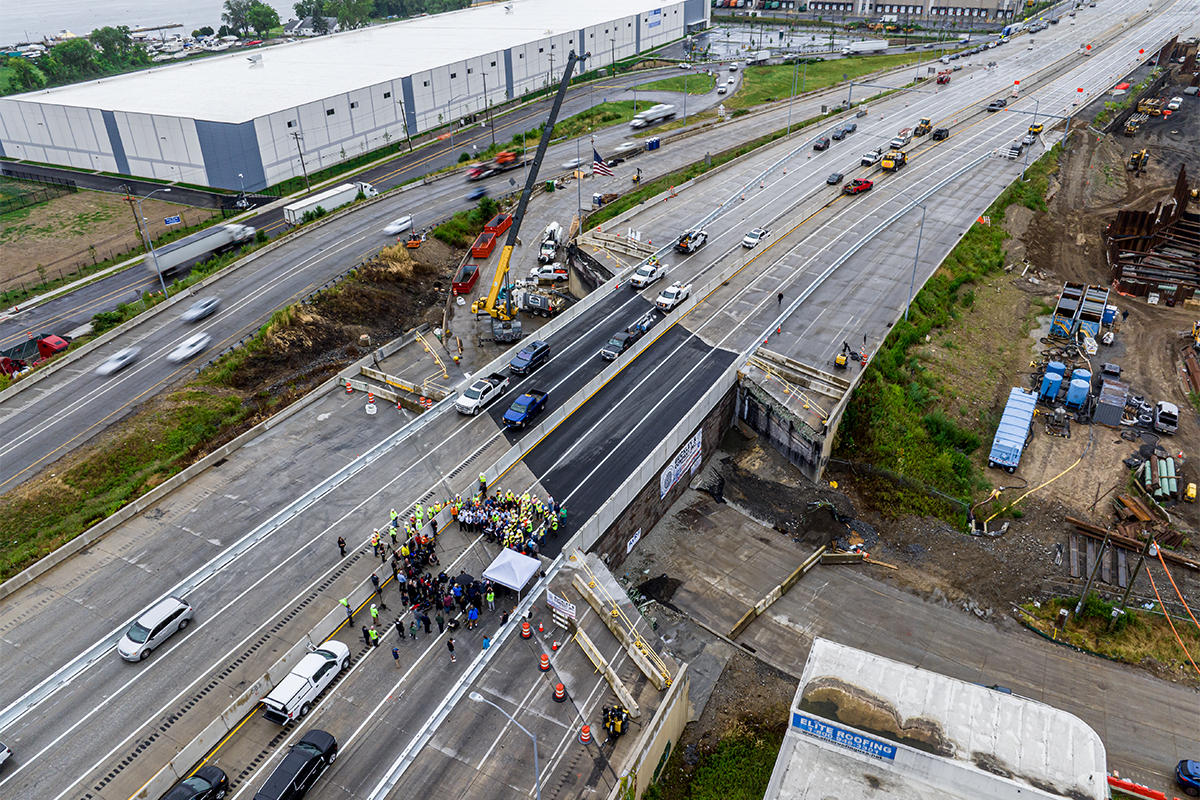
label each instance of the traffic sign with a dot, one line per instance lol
(172, 220)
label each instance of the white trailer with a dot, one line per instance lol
(198, 247)
(653, 115)
(328, 200)
(859, 48)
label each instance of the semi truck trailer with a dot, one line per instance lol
(328, 200)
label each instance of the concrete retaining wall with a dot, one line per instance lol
(645, 764)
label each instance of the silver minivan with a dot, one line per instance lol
(153, 627)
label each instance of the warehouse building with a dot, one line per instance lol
(245, 120)
(865, 726)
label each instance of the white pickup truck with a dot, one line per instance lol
(647, 274)
(292, 698)
(482, 392)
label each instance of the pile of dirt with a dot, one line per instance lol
(394, 292)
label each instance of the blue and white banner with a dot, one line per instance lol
(818, 729)
(655, 18)
(687, 459)
(172, 220)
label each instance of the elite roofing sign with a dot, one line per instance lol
(840, 736)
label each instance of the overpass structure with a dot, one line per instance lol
(618, 445)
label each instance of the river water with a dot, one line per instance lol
(31, 20)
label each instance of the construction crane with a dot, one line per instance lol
(506, 324)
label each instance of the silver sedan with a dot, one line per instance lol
(189, 347)
(119, 361)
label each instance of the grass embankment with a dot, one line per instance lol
(461, 229)
(738, 768)
(897, 418)
(766, 84)
(1137, 634)
(695, 83)
(33, 523)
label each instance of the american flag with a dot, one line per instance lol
(598, 165)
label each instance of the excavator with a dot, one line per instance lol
(506, 322)
(1138, 161)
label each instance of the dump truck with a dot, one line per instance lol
(200, 246)
(924, 126)
(893, 160)
(327, 200)
(1013, 431)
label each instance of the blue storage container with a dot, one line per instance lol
(1077, 393)
(1012, 430)
(1057, 367)
(1051, 383)
(1082, 375)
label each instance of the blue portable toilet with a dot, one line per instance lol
(1110, 314)
(1077, 393)
(1051, 384)
(1057, 367)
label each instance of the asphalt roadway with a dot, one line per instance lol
(95, 591)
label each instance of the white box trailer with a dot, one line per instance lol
(189, 250)
(329, 200)
(653, 115)
(858, 48)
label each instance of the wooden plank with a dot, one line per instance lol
(1122, 569)
(1106, 565)
(1092, 532)
(1089, 563)
(1075, 555)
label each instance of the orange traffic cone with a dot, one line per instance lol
(554, 645)
(525, 631)
(370, 398)
(544, 666)
(585, 735)
(349, 388)
(560, 693)
(540, 628)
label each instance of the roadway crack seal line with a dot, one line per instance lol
(18, 708)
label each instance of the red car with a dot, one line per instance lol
(857, 185)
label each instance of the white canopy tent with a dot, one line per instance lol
(512, 569)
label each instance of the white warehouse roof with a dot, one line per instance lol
(228, 88)
(865, 726)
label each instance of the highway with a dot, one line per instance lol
(113, 724)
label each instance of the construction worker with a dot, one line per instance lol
(395, 517)
(483, 484)
(374, 615)
(374, 637)
(349, 611)
(420, 514)
(375, 541)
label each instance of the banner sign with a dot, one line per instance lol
(560, 604)
(172, 220)
(637, 537)
(687, 459)
(818, 729)
(655, 18)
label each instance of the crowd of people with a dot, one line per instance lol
(520, 522)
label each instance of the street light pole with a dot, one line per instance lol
(478, 698)
(920, 233)
(145, 230)
(486, 110)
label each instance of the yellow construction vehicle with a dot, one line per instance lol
(500, 304)
(1137, 161)
(1151, 105)
(923, 127)
(893, 160)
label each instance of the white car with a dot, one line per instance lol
(119, 361)
(754, 237)
(730, 82)
(201, 309)
(398, 226)
(683, 65)
(1175, 103)
(189, 347)
(647, 274)
(573, 163)
(625, 147)
(722, 90)
(673, 295)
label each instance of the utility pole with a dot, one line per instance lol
(487, 114)
(1150, 549)
(296, 135)
(404, 122)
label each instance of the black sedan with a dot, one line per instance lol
(835, 179)
(206, 783)
(821, 143)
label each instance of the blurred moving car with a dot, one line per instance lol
(398, 226)
(119, 361)
(201, 309)
(189, 347)
(476, 194)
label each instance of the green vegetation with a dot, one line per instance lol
(461, 229)
(765, 84)
(737, 768)
(895, 420)
(700, 83)
(1136, 634)
(35, 520)
(1114, 109)
(600, 116)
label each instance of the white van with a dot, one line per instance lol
(153, 627)
(945, 59)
